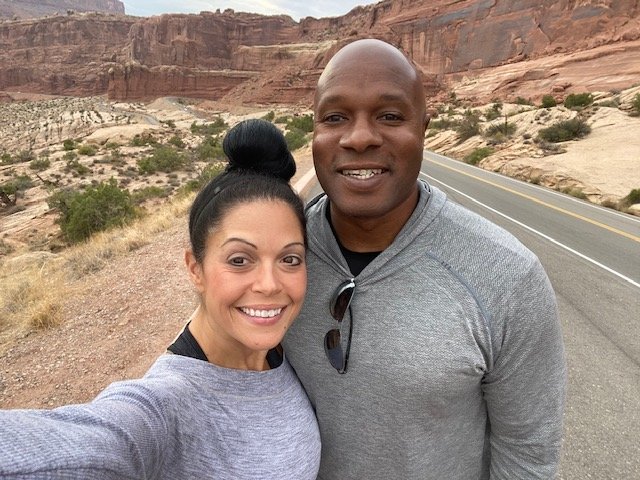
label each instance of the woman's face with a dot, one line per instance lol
(252, 282)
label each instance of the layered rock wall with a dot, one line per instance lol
(273, 59)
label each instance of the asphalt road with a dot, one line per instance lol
(592, 256)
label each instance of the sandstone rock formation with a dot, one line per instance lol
(40, 8)
(480, 48)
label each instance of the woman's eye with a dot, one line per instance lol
(238, 261)
(292, 260)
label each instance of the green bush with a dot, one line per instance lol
(96, 209)
(6, 159)
(548, 101)
(269, 116)
(505, 128)
(163, 159)
(494, 112)
(88, 150)
(208, 173)
(578, 100)
(74, 165)
(146, 193)
(24, 156)
(209, 149)
(214, 128)
(176, 141)
(565, 130)
(635, 105)
(69, 144)
(523, 101)
(40, 164)
(303, 123)
(469, 126)
(283, 119)
(143, 139)
(632, 198)
(296, 139)
(442, 124)
(478, 154)
(16, 184)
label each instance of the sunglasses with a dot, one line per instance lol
(340, 303)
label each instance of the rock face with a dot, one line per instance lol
(480, 48)
(41, 8)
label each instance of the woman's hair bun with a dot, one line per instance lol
(258, 146)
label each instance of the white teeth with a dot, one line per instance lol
(261, 313)
(362, 173)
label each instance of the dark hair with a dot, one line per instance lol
(260, 167)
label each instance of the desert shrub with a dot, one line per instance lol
(40, 164)
(565, 130)
(6, 159)
(295, 139)
(282, 119)
(208, 172)
(69, 144)
(469, 126)
(19, 183)
(209, 149)
(214, 128)
(169, 123)
(478, 154)
(74, 165)
(635, 105)
(98, 208)
(523, 101)
(578, 100)
(146, 193)
(176, 141)
(143, 139)
(24, 156)
(303, 123)
(631, 199)
(269, 116)
(442, 124)
(163, 159)
(69, 156)
(494, 112)
(112, 145)
(88, 150)
(548, 101)
(505, 128)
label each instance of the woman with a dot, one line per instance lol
(224, 402)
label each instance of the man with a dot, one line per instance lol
(429, 342)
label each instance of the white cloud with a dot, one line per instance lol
(295, 9)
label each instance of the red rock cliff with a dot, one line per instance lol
(272, 59)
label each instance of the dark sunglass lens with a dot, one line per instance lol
(333, 349)
(341, 300)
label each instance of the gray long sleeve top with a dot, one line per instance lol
(457, 365)
(186, 419)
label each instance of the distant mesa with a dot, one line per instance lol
(21, 9)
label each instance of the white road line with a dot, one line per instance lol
(540, 188)
(546, 237)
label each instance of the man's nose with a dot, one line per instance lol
(361, 134)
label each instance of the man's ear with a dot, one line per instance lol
(194, 269)
(427, 119)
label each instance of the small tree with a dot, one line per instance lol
(469, 126)
(548, 101)
(578, 100)
(96, 209)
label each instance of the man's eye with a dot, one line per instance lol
(333, 118)
(390, 117)
(292, 260)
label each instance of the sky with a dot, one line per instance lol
(296, 9)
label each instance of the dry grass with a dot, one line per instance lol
(35, 285)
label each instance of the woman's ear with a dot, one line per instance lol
(194, 269)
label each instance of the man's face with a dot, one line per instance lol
(368, 136)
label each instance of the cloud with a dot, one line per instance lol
(295, 9)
